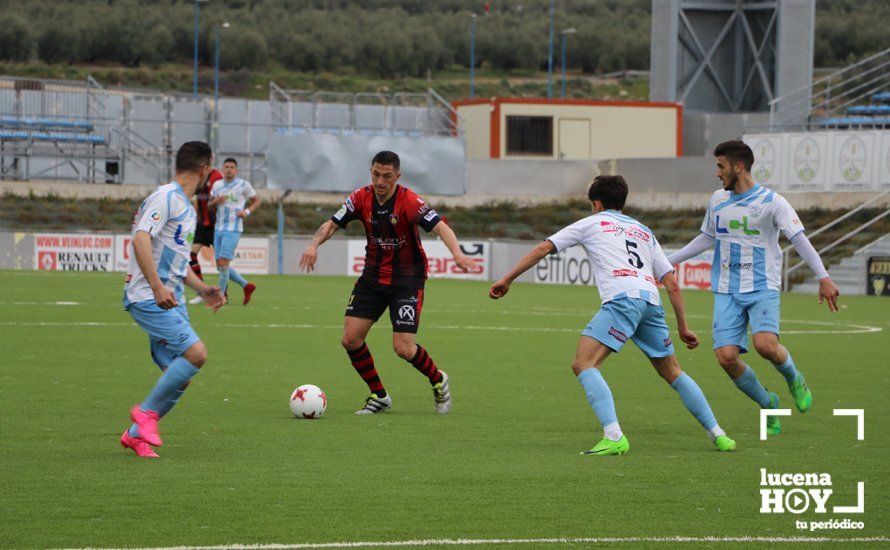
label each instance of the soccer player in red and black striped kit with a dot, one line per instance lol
(204, 227)
(393, 277)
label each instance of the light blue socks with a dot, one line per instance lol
(600, 398)
(788, 370)
(236, 277)
(165, 393)
(223, 279)
(752, 387)
(695, 400)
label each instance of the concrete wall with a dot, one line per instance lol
(654, 183)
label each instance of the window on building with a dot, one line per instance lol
(530, 135)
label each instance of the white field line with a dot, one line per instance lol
(559, 540)
(845, 328)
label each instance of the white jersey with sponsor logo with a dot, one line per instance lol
(624, 254)
(237, 193)
(746, 227)
(169, 218)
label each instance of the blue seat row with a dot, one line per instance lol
(45, 124)
(881, 97)
(858, 121)
(869, 110)
(58, 137)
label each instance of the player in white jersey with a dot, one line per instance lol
(627, 261)
(229, 197)
(742, 225)
(163, 230)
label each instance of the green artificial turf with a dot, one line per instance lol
(238, 468)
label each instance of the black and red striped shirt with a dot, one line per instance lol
(393, 255)
(206, 216)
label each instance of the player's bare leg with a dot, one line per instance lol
(405, 345)
(768, 346)
(693, 398)
(745, 380)
(355, 330)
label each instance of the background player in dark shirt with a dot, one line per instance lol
(204, 227)
(393, 277)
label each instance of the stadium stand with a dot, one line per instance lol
(874, 115)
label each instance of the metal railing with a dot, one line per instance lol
(401, 113)
(786, 252)
(831, 94)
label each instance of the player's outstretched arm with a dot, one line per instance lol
(213, 295)
(142, 251)
(444, 231)
(695, 247)
(673, 289)
(310, 255)
(828, 291)
(500, 288)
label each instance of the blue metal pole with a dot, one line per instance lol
(216, 75)
(195, 71)
(550, 54)
(473, 57)
(563, 44)
(281, 237)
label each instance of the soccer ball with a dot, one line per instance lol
(308, 401)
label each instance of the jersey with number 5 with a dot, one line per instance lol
(624, 254)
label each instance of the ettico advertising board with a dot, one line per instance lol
(572, 267)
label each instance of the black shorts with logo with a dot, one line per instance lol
(369, 301)
(204, 235)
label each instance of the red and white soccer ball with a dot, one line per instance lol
(308, 401)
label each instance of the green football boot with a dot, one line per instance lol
(773, 426)
(608, 447)
(800, 391)
(724, 444)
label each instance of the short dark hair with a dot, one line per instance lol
(609, 190)
(230, 159)
(386, 158)
(192, 155)
(735, 151)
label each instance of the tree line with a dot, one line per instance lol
(384, 38)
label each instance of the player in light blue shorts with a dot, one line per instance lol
(742, 226)
(734, 313)
(169, 331)
(230, 198)
(626, 261)
(633, 318)
(162, 236)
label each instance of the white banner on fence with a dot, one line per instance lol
(838, 160)
(884, 161)
(251, 256)
(123, 248)
(809, 161)
(73, 252)
(441, 263)
(853, 157)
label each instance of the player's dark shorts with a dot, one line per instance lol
(369, 301)
(204, 235)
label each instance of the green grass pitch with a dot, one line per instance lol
(238, 468)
